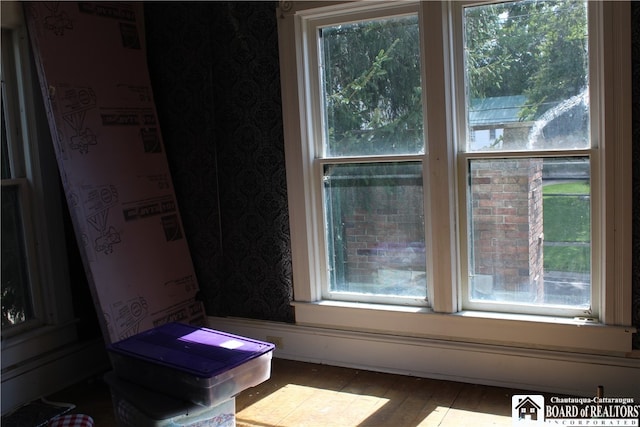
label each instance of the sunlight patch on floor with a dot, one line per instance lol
(452, 417)
(295, 405)
(292, 404)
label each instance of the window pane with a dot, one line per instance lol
(530, 234)
(526, 75)
(6, 164)
(371, 88)
(16, 298)
(375, 229)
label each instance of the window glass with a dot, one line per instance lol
(371, 87)
(526, 76)
(16, 292)
(5, 162)
(375, 229)
(530, 239)
(16, 295)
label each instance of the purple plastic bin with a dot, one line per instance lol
(200, 365)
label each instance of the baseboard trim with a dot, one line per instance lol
(53, 372)
(520, 368)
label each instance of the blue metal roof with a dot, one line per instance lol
(496, 110)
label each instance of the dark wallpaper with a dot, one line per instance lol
(180, 60)
(215, 74)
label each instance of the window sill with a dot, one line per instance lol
(541, 332)
(17, 350)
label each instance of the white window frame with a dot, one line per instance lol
(53, 325)
(593, 152)
(610, 332)
(316, 137)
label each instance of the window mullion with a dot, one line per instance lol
(616, 203)
(440, 176)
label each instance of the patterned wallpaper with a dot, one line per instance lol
(251, 166)
(180, 63)
(215, 71)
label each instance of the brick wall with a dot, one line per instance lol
(384, 231)
(507, 228)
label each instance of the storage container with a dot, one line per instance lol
(136, 406)
(200, 365)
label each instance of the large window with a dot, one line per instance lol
(450, 157)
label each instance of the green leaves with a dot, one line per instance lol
(533, 48)
(372, 87)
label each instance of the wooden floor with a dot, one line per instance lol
(303, 394)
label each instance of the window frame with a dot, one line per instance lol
(316, 136)
(610, 332)
(594, 12)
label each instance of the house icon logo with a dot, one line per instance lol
(527, 410)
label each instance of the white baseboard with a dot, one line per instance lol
(520, 368)
(52, 372)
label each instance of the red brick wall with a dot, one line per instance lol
(381, 227)
(384, 231)
(507, 224)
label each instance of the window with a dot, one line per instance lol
(370, 151)
(19, 302)
(448, 157)
(36, 302)
(528, 197)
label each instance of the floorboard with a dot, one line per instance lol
(300, 394)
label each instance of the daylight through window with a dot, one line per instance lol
(449, 157)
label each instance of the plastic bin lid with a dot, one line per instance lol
(201, 352)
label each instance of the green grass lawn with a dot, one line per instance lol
(567, 219)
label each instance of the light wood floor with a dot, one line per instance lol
(303, 394)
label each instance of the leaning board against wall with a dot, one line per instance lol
(92, 67)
